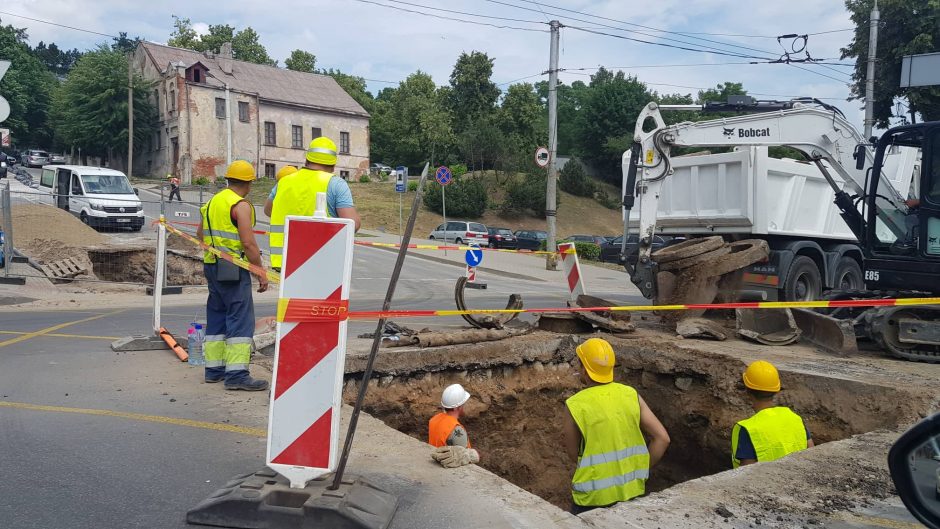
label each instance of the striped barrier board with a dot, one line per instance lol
(309, 357)
(571, 267)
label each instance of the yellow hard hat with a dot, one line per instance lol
(286, 170)
(598, 359)
(322, 150)
(762, 376)
(240, 170)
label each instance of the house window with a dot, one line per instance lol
(197, 75)
(316, 132)
(269, 171)
(344, 175)
(270, 133)
(172, 101)
(344, 143)
(243, 111)
(297, 137)
(156, 99)
(156, 141)
(220, 108)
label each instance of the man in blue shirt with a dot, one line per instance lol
(338, 196)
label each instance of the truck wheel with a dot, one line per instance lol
(804, 282)
(84, 218)
(849, 275)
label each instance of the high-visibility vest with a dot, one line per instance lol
(224, 234)
(440, 427)
(774, 432)
(614, 463)
(296, 195)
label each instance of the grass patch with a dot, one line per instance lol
(259, 190)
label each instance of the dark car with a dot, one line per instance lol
(596, 239)
(502, 238)
(3, 168)
(610, 251)
(530, 239)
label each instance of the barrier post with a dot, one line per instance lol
(571, 267)
(159, 272)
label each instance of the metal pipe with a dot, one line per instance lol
(8, 228)
(870, 74)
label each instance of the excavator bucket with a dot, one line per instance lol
(830, 334)
(767, 326)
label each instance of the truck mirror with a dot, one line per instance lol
(914, 461)
(137, 191)
(860, 155)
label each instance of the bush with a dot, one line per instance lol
(364, 178)
(200, 181)
(588, 250)
(412, 186)
(383, 177)
(458, 169)
(604, 199)
(526, 195)
(466, 197)
(574, 180)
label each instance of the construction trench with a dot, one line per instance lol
(519, 386)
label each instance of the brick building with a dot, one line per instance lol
(212, 108)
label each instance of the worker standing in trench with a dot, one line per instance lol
(603, 432)
(447, 435)
(773, 431)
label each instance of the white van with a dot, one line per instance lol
(100, 197)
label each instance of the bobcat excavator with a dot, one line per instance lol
(898, 235)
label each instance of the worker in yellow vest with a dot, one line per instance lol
(773, 431)
(284, 171)
(296, 194)
(447, 435)
(604, 430)
(227, 224)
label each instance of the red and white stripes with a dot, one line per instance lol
(571, 267)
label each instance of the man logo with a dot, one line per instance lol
(122, 210)
(728, 132)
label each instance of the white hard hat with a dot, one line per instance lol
(454, 396)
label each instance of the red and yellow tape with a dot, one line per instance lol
(272, 276)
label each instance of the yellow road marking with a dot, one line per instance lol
(257, 432)
(59, 335)
(54, 328)
(876, 521)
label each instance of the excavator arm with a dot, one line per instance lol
(823, 135)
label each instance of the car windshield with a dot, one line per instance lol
(107, 185)
(38, 153)
(503, 231)
(477, 227)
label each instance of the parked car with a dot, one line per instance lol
(596, 239)
(99, 197)
(35, 158)
(56, 159)
(377, 168)
(3, 169)
(502, 238)
(530, 239)
(610, 251)
(460, 232)
(10, 157)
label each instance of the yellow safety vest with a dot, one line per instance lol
(296, 195)
(774, 432)
(224, 234)
(614, 463)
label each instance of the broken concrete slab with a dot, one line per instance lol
(138, 343)
(701, 328)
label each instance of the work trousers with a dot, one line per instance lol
(230, 326)
(175, 190)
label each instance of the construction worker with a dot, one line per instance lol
(296, 194)
(284, 171)
(604, 430)
(228, 220)
(773, 431)
(174, 187)
(447, 435)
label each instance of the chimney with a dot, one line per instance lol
(225, 58)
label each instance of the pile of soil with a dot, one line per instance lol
(33, 222)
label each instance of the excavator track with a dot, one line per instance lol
(883, 325)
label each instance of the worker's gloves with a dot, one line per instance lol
(455, 456)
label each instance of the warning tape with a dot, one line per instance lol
(307, 310)
(272, 276)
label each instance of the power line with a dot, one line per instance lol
(837, 30)
(465, 21)
(700, 50)
(464, 12)
(57, 24)
(521, 79)
(843, 81)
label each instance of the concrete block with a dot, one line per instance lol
(138, 343)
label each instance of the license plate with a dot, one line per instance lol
(123, 220)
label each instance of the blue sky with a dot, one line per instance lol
(384, 44)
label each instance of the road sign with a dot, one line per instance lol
(541, 157)
(400, 183)
(443, 175)
(4, 137)
(474, 256)
(4, 106)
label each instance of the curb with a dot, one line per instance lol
(511, 275)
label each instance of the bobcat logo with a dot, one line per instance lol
(728, 132)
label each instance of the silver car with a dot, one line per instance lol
(56, 159)
(35, 158)
(460, 232)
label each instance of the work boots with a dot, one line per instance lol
(246, 383)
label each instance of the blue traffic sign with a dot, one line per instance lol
(443, 175)
(399, 187)
(474, 256)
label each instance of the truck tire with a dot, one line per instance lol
(848, 275)
(804, 282)
(686, 249)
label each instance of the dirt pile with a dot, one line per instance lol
(37, 225)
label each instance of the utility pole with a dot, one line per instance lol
(130, 114)
(870, 77)
(551, 188)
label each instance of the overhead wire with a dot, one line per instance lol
(58, 25)
(454, 19)
(663, 44)
(492, 17)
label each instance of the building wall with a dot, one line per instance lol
(210, 134)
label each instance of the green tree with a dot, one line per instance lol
(301, 61)
(183, 35)
(466, 197)
(410, 121)
(574, 180)
(520, 116)
(56, 60)
(27, 86)
(124, 44)
(353, 85)
(907, 27)
(246, 45)
(90, 106)
(472, 92)
(570, 102)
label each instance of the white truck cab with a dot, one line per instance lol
(100, 197)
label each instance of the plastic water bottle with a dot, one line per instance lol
(196, 338)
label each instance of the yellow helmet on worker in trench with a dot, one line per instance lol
(762, 376)
(597, 357)
(240, 170)
(286, 170)
(322, 150)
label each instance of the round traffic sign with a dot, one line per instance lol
(4, 109)
(474, 256)
(443, 175)
(541, 157)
